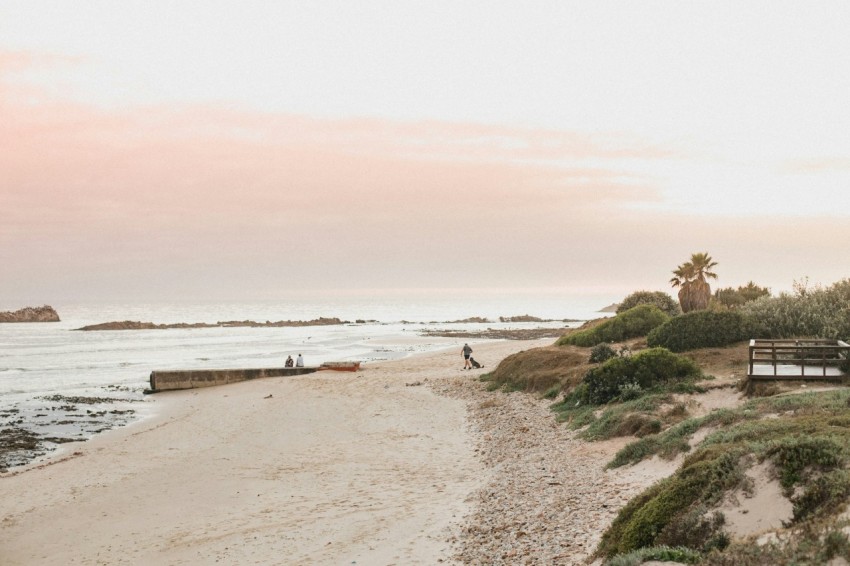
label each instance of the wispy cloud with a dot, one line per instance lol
(96, 199)
(817, 165)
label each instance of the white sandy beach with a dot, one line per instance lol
(329, 468)
(406, 462)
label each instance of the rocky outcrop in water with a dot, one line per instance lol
(136, 325)
(31, 314)
(500, 333)
(521, 318)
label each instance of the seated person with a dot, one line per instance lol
(289, 363)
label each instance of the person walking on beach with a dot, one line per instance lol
(299, 361)
(466, 351)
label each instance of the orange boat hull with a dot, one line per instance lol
(340, 366)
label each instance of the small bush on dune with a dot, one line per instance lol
(645, 370)
(636, 417)
(794, 455)
(635, 322)
(696, 529)
(601, 353)
(662, 300)
(700, 329)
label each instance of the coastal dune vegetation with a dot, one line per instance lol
(647, 374)
(635, 322)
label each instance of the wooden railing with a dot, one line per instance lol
(798, 359)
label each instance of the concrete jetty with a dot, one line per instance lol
(191, 379)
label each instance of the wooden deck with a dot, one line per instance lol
(798, 359)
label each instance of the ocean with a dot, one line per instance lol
(61, 385)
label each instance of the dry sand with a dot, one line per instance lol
(329, 468)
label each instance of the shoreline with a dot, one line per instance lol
(40, 414)
(317, 468)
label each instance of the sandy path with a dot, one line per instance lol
(548, 497)
(333, 468)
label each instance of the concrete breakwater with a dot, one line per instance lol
(191, 379)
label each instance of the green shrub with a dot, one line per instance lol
(702, 480)
(822, 312)
(660, 553)
(645, 369)
(792, 455)
(728, 297)
(630, 391)
(836, 543)
(635, 322)
(601, 352)
(552, 392)
(673, 440)
(808, 444)
(637, 417)
(696, 529)
(662, 300)
(825, 493)
(700, 329)
(734, 298)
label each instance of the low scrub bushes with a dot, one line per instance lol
(733, 298)
(817, 487)
(632, 323)
(832, 404)
(822, 312)
(659, 553)
(701, 481)
(539, 370)
(809, 547)
(635, 389)
(645, 370)
(662, 300)
(809, 446)
(636, 417)
(701, 329)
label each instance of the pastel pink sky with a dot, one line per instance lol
(218, 195)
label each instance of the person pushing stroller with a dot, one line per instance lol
(466, 352)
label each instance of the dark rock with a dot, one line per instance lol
(31, 314)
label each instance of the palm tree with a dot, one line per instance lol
(682, 279)
(695, 292)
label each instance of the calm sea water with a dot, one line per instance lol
(41, 361)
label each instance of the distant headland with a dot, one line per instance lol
(45, 313)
